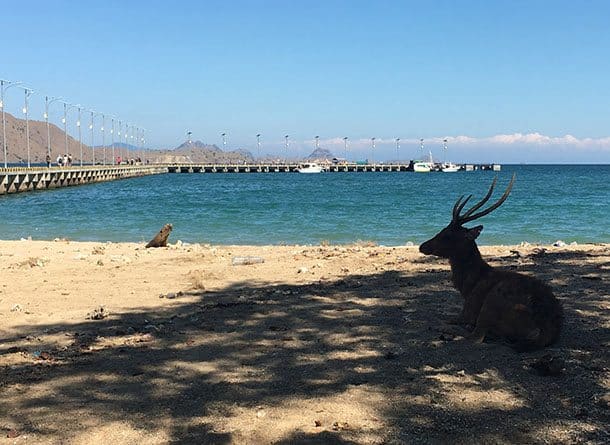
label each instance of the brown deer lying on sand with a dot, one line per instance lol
(517, 307)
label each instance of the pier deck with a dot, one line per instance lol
(24, 179)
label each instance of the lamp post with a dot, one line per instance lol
(142, 141)
(2, 90)
(48, 101)
(345, 147)
(133, 129)
(286, 147)
(80, 138)
(445, 148)
(397, 149)
(421, 147)
(92, 145)
(372, 149)
(126, 134)
(224, 141)
(68, 107)
(258, 146)
(119, 135)
(28, 92)
(103, 137)
(112, 137)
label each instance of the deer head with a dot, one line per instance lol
(455, 240)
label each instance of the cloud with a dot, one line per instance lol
(527, 139)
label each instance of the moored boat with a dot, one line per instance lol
(310, 167)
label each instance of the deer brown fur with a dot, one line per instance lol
(517, 307)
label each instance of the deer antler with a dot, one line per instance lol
(469, 216)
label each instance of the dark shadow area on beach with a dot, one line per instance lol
(256, 346)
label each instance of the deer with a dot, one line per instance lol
(510, 305)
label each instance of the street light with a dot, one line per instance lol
(103, 137)
(317, 142)
(68, 107)
(28, 92)
(93, 113)
(126, 134)
(397, 149)
(112, 138)
(345, 147)
(421, 146)
(48, 101)
(80, 138)
(286, 147)
(142, 131)
(372, 148)
(258, 146)
(2, 89)
(224, 141)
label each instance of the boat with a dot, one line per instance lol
(310, 167)
(449, 167)
(421, 166)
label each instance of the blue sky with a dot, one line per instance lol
(506, 81)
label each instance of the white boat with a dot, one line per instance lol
(449, 167)
(310, 167)
(421, 166)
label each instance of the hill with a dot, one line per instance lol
(320, 154)
(17, 145)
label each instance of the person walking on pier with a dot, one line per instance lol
(48, 159)
(60, 160)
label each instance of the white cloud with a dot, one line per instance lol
(528, 139)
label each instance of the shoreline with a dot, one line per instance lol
(318, 343)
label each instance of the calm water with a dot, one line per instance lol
(571, 203)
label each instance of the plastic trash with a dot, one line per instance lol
(244, 260)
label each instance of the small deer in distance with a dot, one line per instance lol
(514, 306)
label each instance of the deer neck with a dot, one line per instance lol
(467, 268)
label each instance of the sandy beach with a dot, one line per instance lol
(115, 343)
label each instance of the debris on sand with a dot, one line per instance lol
(246, 260)
(98, 250)
(98, 314)
(340, 426)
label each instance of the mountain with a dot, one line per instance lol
(17, 144)
(320, 154)
(199, 152)
(190, 151)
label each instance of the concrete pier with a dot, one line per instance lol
(21, 179)
(292, 167)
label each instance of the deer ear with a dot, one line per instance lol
(474, 233)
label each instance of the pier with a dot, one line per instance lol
(292, 167)
(24, 179)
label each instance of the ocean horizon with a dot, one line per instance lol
(548, 203)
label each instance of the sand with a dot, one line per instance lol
(115, 343)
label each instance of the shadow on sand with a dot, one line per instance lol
(193, 369)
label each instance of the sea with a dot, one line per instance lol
(548, 203)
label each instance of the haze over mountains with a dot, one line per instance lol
(187, 152)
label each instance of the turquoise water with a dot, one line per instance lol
(571, 203)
